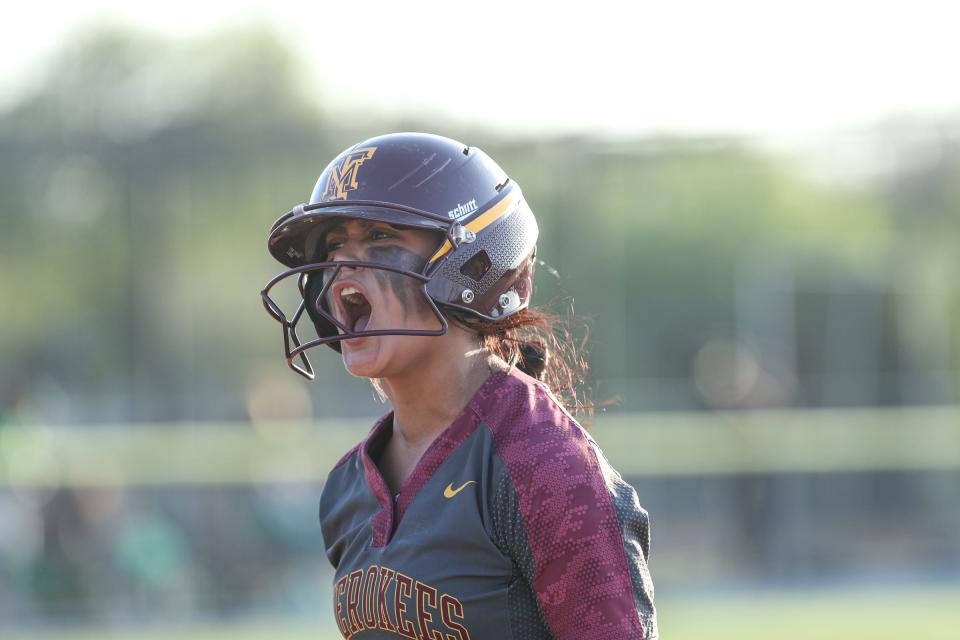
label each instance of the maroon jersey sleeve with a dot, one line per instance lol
(573, 528)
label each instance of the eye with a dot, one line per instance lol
(379, 234)
(333, 245)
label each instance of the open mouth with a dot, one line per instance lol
(355, 307)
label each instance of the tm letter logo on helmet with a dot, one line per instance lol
(343, 177)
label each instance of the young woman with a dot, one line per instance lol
(478, 507)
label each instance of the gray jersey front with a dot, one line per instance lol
(512, 526)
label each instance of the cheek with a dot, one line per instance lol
(414, 314)
(397, 256)
(405, 291)
(408, 291)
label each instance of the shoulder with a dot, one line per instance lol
(566, 518)
(349, 476)
(347, 500)
(530, 427)
(356, 451)
(549, 461)
(353, 452)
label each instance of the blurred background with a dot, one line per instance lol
(756, 207)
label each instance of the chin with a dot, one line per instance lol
(384, 356)
(361, 359)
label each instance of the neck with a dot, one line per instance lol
(427, 400)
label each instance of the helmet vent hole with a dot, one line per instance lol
(466, 151)
(500, 186)
(477, 266)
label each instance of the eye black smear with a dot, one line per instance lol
(403, 286)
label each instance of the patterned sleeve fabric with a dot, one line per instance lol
(635, 529)
(575, 531)
(527, 618)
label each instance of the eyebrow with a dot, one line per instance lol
(366, 224)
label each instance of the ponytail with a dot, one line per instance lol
(542, 345)
(534, 358)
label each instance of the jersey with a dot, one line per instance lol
(511, 526)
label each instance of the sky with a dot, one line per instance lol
(597, 67)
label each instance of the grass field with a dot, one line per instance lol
(673, 444)
(920, 613)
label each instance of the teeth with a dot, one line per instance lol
(351, 296)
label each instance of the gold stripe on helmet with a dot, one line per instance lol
(481, 222)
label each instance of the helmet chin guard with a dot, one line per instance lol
(483, 264)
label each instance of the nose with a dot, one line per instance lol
(346, 252)
(349, 250)
(348, 258)
(332, 275)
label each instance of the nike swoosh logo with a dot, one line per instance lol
(449, 492)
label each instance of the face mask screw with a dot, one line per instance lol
(462, 235)
(467, 296)
(504, 301)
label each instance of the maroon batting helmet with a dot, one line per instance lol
(483, 264)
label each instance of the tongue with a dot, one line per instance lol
(361, 323)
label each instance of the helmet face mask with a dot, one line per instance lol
(482, 268)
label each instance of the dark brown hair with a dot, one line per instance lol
(545, 345)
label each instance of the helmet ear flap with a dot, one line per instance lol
(311, 295)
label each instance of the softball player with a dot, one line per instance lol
(478, 507)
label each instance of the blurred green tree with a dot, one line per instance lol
(139, 176)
